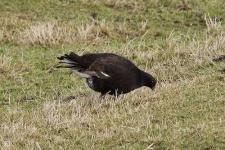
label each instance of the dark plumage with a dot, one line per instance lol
(108, 73)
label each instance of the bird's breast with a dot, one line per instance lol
(90, 82)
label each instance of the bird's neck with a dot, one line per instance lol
(143, 77)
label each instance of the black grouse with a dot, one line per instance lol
(108, 73)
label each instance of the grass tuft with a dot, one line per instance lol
(5, 64)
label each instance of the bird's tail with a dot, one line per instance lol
(70, 61)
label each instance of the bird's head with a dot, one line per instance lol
(148, 80)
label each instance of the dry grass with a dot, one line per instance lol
(43, 34)
(189, 56)
(5, 63)
(45, 108)
(132, 5)
(52, 33)
(212, 24)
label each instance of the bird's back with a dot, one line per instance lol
(88, 59)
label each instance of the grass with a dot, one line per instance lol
(176, 41)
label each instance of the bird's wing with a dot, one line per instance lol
(106, 67)
(97, 68)
(86, 65)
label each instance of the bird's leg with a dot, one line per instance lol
(117, 95)
(101, 97)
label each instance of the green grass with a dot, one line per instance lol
(175, 41)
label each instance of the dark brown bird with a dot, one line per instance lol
(108, 73)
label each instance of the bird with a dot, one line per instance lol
(107, 73)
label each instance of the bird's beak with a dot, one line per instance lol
(153, 88)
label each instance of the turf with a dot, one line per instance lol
(42, 107)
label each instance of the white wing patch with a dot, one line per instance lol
(81, 74)
(106, 75)
(88, 74)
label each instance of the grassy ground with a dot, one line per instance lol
(45, 108)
